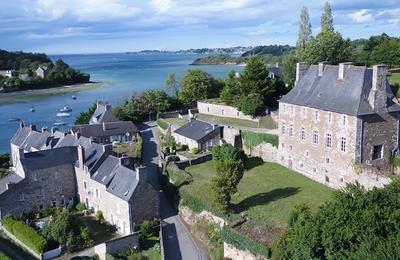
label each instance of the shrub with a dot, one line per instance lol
(252, 139)
(195, 150)
(85, 236)
(80, 207)
(25, 234)
(3, 256)
(47, 212)
(146, 229)
(240, 242)
(100, 217)
(162, 124)
(139, 146)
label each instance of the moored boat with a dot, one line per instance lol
(63, 114)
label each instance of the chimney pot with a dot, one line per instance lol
(21, 124)
(321, 67)
(32, 127)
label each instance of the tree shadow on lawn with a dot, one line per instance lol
(265, 198)
(253, 162)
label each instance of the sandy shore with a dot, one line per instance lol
(31, 95)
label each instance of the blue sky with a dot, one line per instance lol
(90, 26)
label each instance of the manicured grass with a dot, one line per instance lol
(175, 121)
(394, 78)
(265, 122)
(125, 148)
(162, 123)
(99, 232)
(266, 194)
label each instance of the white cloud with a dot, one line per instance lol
(85, 10)
(362, 16)
(161, 5)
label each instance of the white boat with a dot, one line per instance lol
(73, 97)
(63, 114)
(32, 109)
(59, 123)
(66, 109)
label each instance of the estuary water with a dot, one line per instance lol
(126, 73)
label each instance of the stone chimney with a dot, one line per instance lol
(107, 148)
(342, 69)
(108, 107)
(141, 174)
(81, 157)
(377, 96)
(104, 126)
(321, 67)
(44, 129)
(21, 124)
(32, 127)
(301, 69)
(54, 129)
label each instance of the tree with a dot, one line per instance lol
(229, 165)
(155, 101)
(355, 224)
(327, 46)
(327, 19)
(254, 78)
(231, 89)
(304, 31)
(289, 69)
(84, 116)
(171, 85)
(196, 85)
(251, 104)
(387, 52)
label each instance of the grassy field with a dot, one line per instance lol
(394, 78)
(266, 194)
(99, 232)
(125, 148)
(31, 95)
(175, 121)
(265, 122)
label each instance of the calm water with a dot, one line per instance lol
(128, 73)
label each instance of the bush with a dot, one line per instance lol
(86, 239)
(146, 229)
(252, 139)
(80, 207)
(195, 150)
(25, 234)
(47, 212)
(139, 146)
(162, 124)
(242, 243)
(100, 217)
(250, 104)
(3, 256)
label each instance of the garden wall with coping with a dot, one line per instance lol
(265, 151)
(117, 245)
(183, 164)
(221, 110)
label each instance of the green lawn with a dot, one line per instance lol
(175, 121)
(394, 78)
(266, 194)
(265, 122)
(99, 232)
(125, 148)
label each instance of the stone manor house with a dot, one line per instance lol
(340, 124)
(53, 168)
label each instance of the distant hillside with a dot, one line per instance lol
(18, 60)
(274, 50)
(219, 59)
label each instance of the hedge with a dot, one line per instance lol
(252, 139)
(3, 256)
(232, 237)
(25, 234)
(161, 123)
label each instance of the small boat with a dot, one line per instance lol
(32, 109)
(63, 114)
(66, 109)
(73, 97)
(59, 123)
(14, 119)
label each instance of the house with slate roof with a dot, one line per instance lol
(42, 72)
(199, 134)
(103, 113)
(339, 124)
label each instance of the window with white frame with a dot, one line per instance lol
(377, 152)
(304, 110)
(330, 117)
(344, 119)
(283, 129)
(316, 115)
(343, 144)
(328, 141)
(291, 130)
(303, 134)
(315, 137)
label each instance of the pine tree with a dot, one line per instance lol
(304, 31)
(327, 19)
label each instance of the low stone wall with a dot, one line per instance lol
(265, 151)
(117, 245)
(232, 252)
(183, 164)
(222, 110)
(232, 136)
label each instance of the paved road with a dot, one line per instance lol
(178, 243)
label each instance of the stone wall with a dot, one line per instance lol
(265, 151)
(117, 245)
(41, 188)
(222, 110)
(232, 136)
(183, 164)
(231, 252)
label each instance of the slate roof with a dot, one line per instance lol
(49, 158)
(103, 113)
(328, 92)
(105, 129)
(119, 180)
(27, 138)
(10, 178)
(276, 71)
(94, 153)
(196, 129)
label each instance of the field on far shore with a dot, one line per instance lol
(37, 94)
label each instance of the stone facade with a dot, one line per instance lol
(117, 245)
(222, 110)
(265, 151)
(41, 188)
(204, 144)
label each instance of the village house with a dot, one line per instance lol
(9, 73)
(42, 72)
(339, 124)
(198, 134)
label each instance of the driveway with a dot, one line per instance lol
(178, 242)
